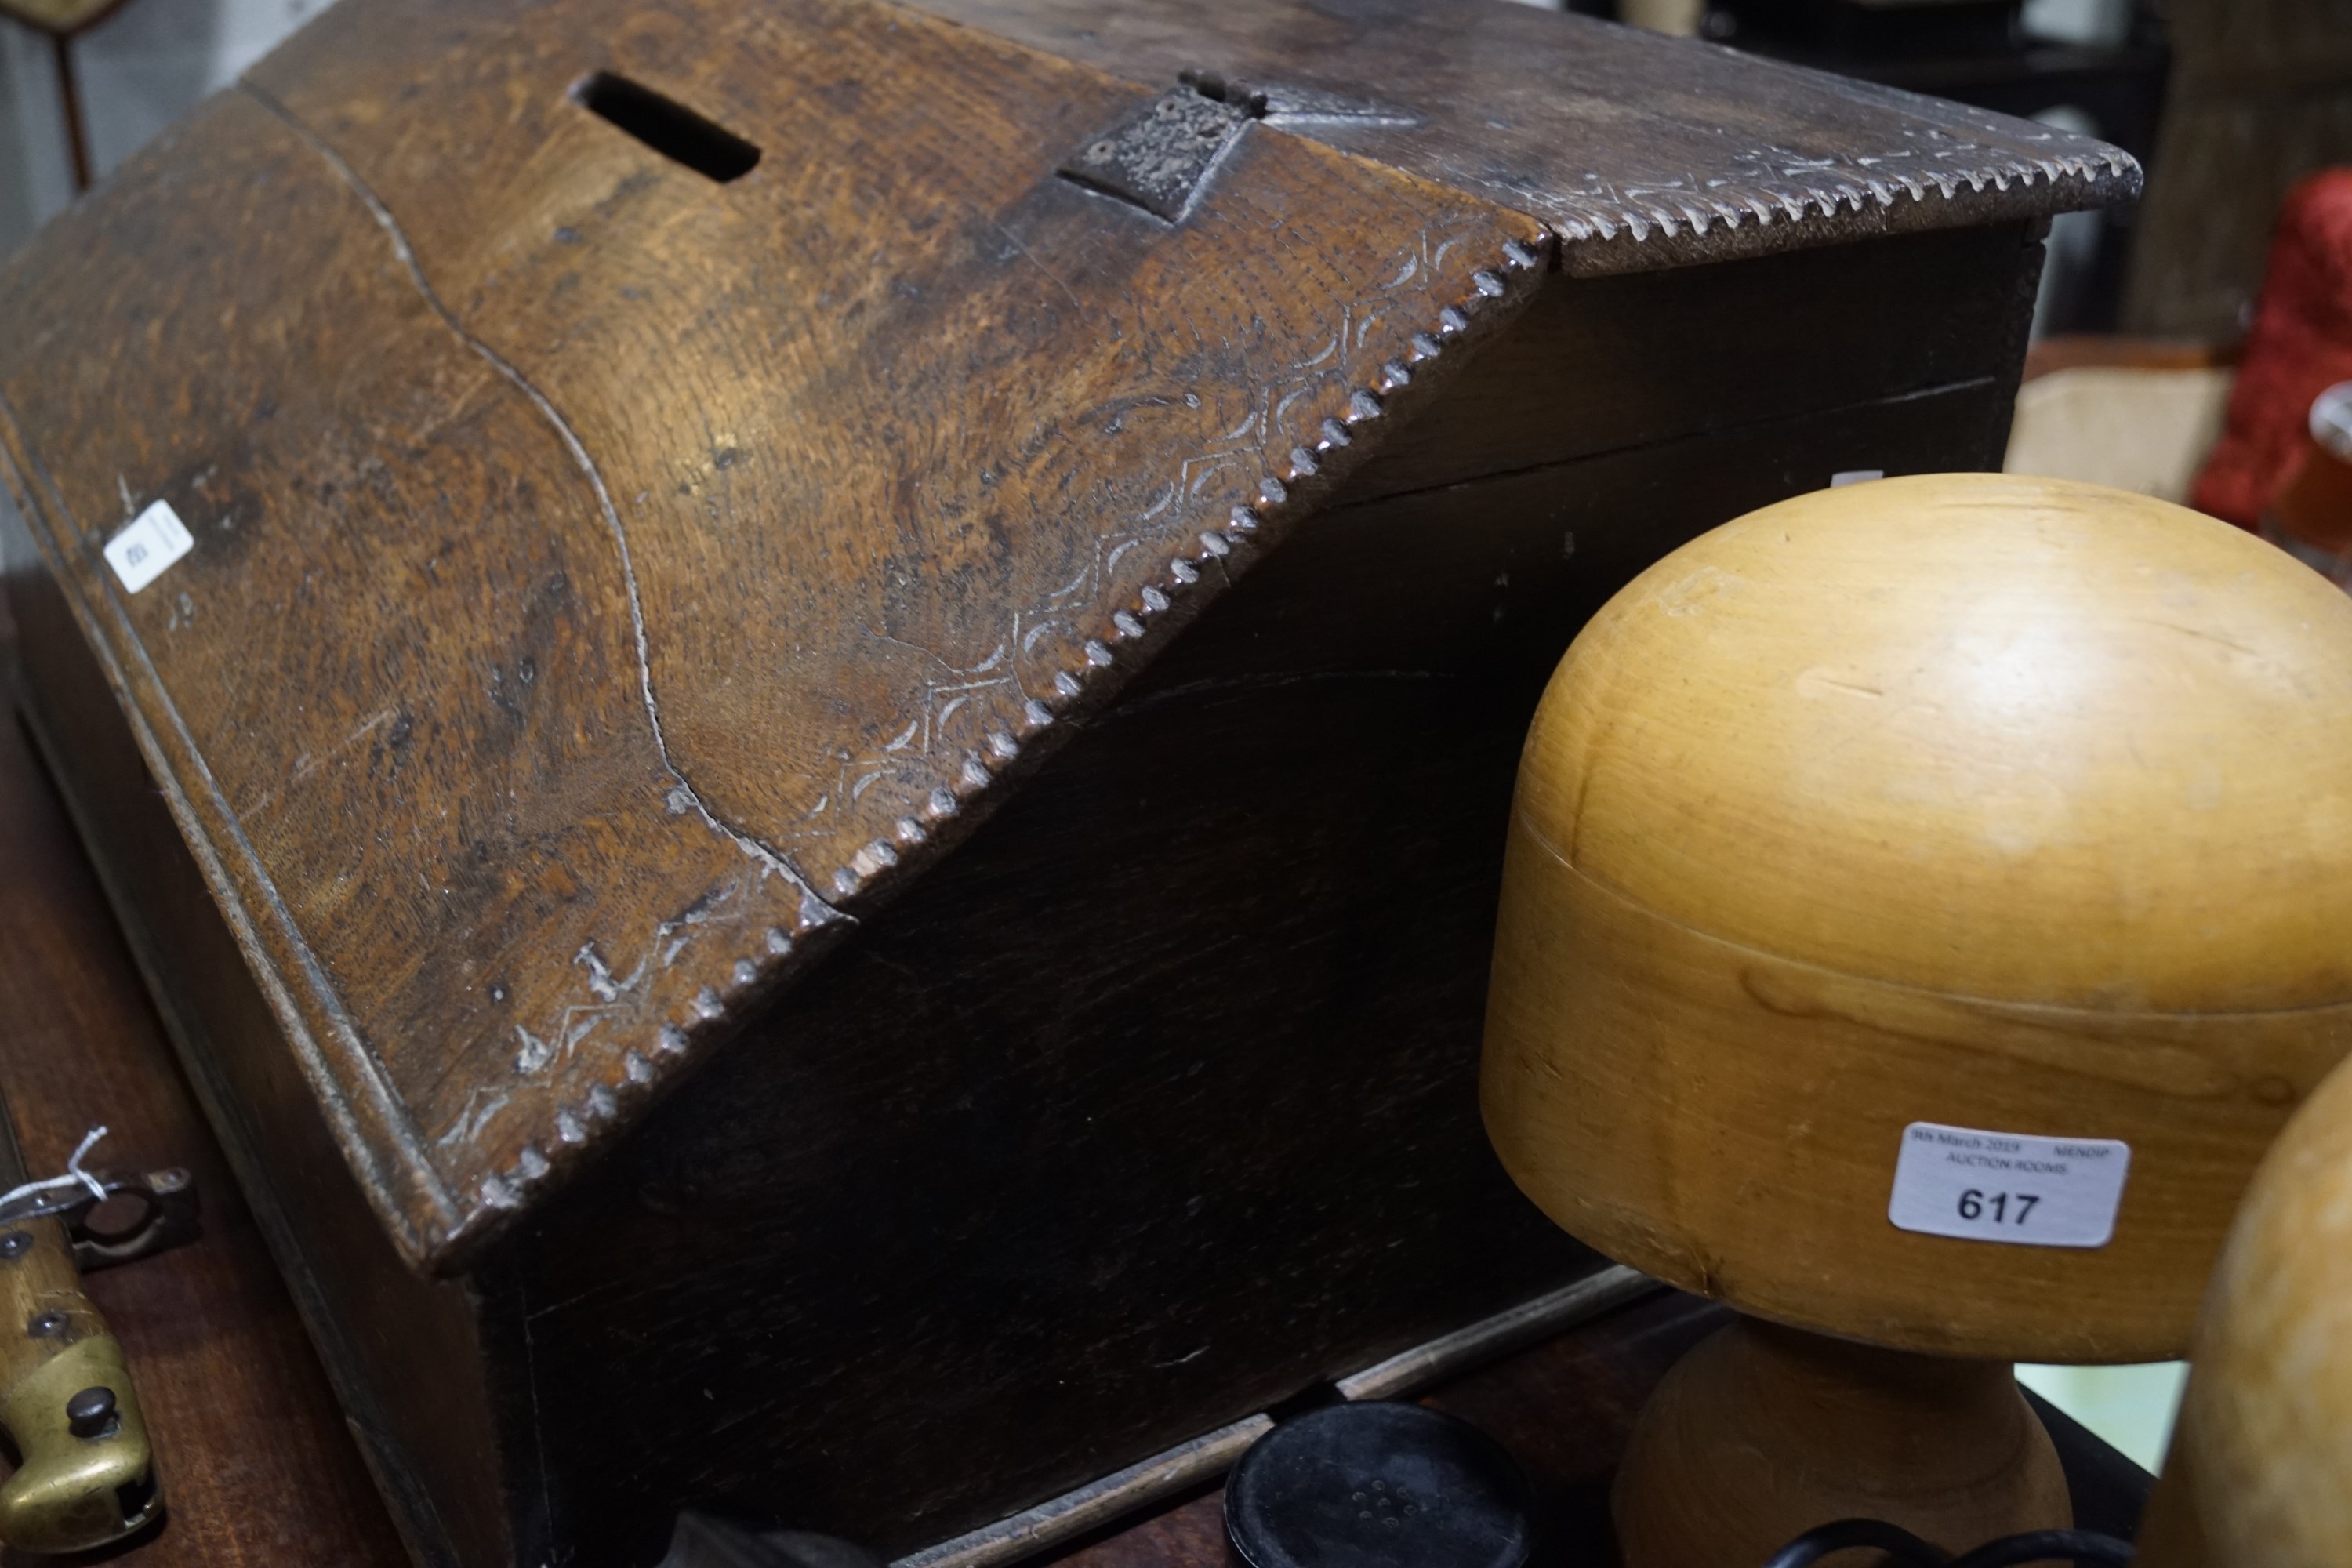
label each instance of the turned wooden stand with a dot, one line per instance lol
(1762, 1432)
(1928, 814)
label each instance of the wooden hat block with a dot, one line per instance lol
(2010, 807)
(2260, 1466)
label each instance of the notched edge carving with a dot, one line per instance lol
(1204, 565)
(1789, 201)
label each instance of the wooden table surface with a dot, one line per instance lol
(255, 1464)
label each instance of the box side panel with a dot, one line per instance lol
(1155, 1105)
(1601, 364)
(402, 1351)
(1086, 1150)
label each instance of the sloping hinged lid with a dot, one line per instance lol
(610, 576)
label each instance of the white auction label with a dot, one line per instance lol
(2008, 1187)
(147, 544)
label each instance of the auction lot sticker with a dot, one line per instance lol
(1977, 1186)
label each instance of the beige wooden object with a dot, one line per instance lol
(2008, 803)
(2260, 1465)
(1762, 1433)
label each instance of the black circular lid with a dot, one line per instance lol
(1379, 1485)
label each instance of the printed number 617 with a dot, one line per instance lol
(1976, 1204)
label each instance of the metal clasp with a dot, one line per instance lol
(168, 1216)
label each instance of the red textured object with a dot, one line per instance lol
(2300, 346)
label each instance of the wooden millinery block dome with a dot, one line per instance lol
(1971, 802)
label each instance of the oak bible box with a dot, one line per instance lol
(805, 711)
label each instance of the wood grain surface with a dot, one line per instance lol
(2004, 803)
(618, 575)
(1720, 156)
(2260, 1468)
(618, 767)
(423, 1426)
(255, 1464)
(855, 481)
(1763, 1432)
(1115, 1169)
